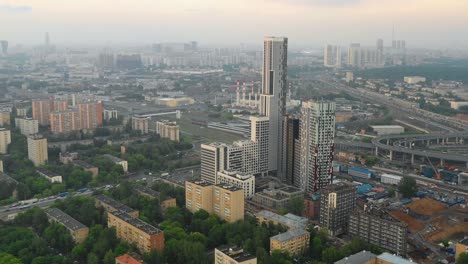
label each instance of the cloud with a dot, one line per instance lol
(15, 9)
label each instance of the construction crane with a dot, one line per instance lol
(438, 177)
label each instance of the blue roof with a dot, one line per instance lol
(394, 259)
(364, 188)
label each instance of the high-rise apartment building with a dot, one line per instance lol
(140, 123)
(243, 156)
(106, 60)
(243, 181)
(5, 140)
(37, 149)
(226, 201)
(317, 133)
(376, 226)
(4, 118)
(65, 121)
(291, 141)
(27, 126)
(337, 202)
(90, 114)
(380, 45)
(110, 114)
(273, 98)
(213, 159)
(59, 105)
(41, 109)
(364, 57)
(332, 56)
(168, 129)
(260, 134)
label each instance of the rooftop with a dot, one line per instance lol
(393, 259)
(229, 187)
(236, 253)
(200, 183)
(386, 126)
(83, 164)
(6, 178)
(289, 220)
(289, 235)
(113, 203)
(136, 222)
(358, 258)
(46, 172)
(129, 259)
(113, 158)
(64, 219)
(147, 191)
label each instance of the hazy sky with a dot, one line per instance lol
(431, 23)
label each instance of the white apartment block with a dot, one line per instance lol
(260, 133)
(240, 180)
(27, 126)
(213, 159)
(317, 133)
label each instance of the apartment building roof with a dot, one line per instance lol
(6, 178)
(64, 219)
(136, 222)
(358, 258)
(289, 220)
(147, 191)
(393, 259)
(113, 158)
(46, 172)
(289, 235)
(83, 164)
(113, 203)
(200, 183)
(229, 187)
(236, 253)
(129, 259)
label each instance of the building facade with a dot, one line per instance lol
(90, 114)
(332, 56)
(245, 182)
(65, 121)
(77, 230)
(213, 159)
(317, 134)
(41, 109)
(5, 140)
(140, 123)
(337, 201)
(37, 149)
(168, 129)
(27, 126)
(233, 255)
(4, 118)
(294, 242)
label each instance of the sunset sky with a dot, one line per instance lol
(422, 23)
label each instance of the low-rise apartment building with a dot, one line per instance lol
(111, 205)
(78, 231)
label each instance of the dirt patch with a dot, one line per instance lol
(427, 206)
(446, 228)
(413, 224)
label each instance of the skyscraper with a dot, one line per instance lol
(273, 98)
(317, 133)
(213, 159)
(332, 56)
(90, 114)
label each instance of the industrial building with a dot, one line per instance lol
(387, 130)
(78, 231)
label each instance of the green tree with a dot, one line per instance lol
(407, 187)
(462, 258)
(8, 259)
(109, 258)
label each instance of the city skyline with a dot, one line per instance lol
(306, 23)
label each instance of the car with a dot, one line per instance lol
(144, 179)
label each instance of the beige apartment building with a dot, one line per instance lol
(140, 123)
(294, 242)
(78, 231)
(167, 129)
(5, 140)
(134, 231)
(27, 126)
(233, 255)
(111, 205)
(4, 118)
(226, 201)
(37, 149)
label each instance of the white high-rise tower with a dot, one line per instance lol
(273, 97)
(317, 133)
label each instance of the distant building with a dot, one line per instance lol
(90, 114)
(118, 161)
(233, 255)
(167, 129)
(5, 179)
(244, 181)
(21, 112)
(390, 179)
(456, 105)
(337, 201)
(276, 199)
(27, 126)
(4, 118)
(37, 149)
(225, 201)
(5, 140)
(134, 231)
(111, 205)
(414, 79)
(174, 102)
(49, 175)
(294, 242)
(292, 149)
(106, 60)
(140, 123)
(387, 258)
(65, 121)
(332, 56)
(110, 114)
(68, 157)
(77, 230)
(349, 77)
(213, 159)
(41, 109)
(387, 129)
(377, 227)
